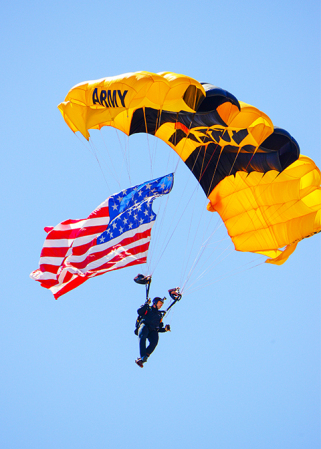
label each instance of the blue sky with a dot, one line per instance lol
(241, 367)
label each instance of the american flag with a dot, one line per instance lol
(115, 235)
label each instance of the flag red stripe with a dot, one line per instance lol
(54, 252)
(48, 283)
(49, 268)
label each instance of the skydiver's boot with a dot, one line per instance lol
(139, 362)
(144, 359)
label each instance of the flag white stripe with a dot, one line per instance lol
(38, 275)
(77, 241)
(57, 243)
(50, 260)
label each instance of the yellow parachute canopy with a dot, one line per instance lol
(265, 213)
(268, 199)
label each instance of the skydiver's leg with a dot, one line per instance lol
(143, 332)
(153, 340)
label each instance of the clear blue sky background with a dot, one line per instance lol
(241, 367)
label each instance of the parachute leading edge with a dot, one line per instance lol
(112, 101)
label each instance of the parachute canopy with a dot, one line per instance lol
(246, 166)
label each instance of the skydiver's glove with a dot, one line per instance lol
(167, 328)
(148, 301)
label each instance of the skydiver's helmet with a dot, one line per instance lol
(155, 300)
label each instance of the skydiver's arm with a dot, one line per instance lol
(143, 309)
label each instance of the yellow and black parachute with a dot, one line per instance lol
(268, 197)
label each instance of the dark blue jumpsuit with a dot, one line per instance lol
(150, 326)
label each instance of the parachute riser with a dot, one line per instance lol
(176, 296)
(144, 280)
(147, 289)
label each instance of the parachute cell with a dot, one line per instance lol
(263, 214)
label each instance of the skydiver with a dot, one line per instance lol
(149, 325)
